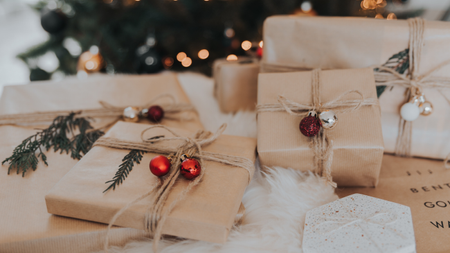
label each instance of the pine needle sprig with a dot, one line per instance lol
(82, 142)
(60, 136)
(399, 62)
(134, 156)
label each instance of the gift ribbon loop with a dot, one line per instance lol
(192, 146)
(320, 144)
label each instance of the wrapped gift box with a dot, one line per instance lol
(357, 138)
(292, 42)
(25, 224)
(424, 186)
(235, 83)
(359, 223)
(207, 213)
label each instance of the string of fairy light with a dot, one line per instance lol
(203, 54)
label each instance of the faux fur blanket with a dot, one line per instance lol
(276, 200)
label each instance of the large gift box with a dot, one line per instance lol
(235, 83)
(293, 43)
(25, 224)
(424, 186)
(206, 213)
(357, 138)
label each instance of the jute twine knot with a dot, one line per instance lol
(320, 144)
(412, 81)
(155, 217)
(171, 109)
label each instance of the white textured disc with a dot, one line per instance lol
(410, 112)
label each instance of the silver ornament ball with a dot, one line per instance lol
(131, 114)
(328, 119)
(426, 108)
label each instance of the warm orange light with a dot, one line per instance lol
(379, 16)
(369, 4)
(90, 65)
(186, 62)
(232, 57)
(261, 44)
(168, 62)
(203, 54)
(391, 16)
(181, 56)
(246, 45)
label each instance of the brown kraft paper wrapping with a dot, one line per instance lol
(207, 213)
(340, 43)
(25, 224)
(357, 139)
(235, 84)
(424, 186)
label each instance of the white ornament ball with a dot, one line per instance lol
(328, 119)
(410, 112)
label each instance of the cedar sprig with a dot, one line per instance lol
(61, 136)
(399, 62)
(134, 156)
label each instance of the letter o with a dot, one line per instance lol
(437, 203)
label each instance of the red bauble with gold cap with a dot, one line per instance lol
(190, 168)
(155, 113)
(160, 165)
(310, 125)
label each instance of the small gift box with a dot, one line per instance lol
(235, 83)
(351, 151)
(206, 212)
(415, 49)
(359, 223)
(26, 226)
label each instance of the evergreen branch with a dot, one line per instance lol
(26, 155)
(135, 156)
(399, 62)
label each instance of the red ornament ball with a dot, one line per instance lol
(155, 113)
(190, 168)
(160, 165)
(310, 126)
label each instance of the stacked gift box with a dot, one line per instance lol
(332, 96)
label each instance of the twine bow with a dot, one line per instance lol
(321, 144)
(379, 219)
(155, 217)
(107, 111)
(414, 82)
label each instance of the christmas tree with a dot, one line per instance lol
(147, 36)
(142, 36)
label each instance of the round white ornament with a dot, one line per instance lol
(410, 112)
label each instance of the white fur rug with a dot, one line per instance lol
(276, 200)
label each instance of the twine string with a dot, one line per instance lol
(107, 111)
